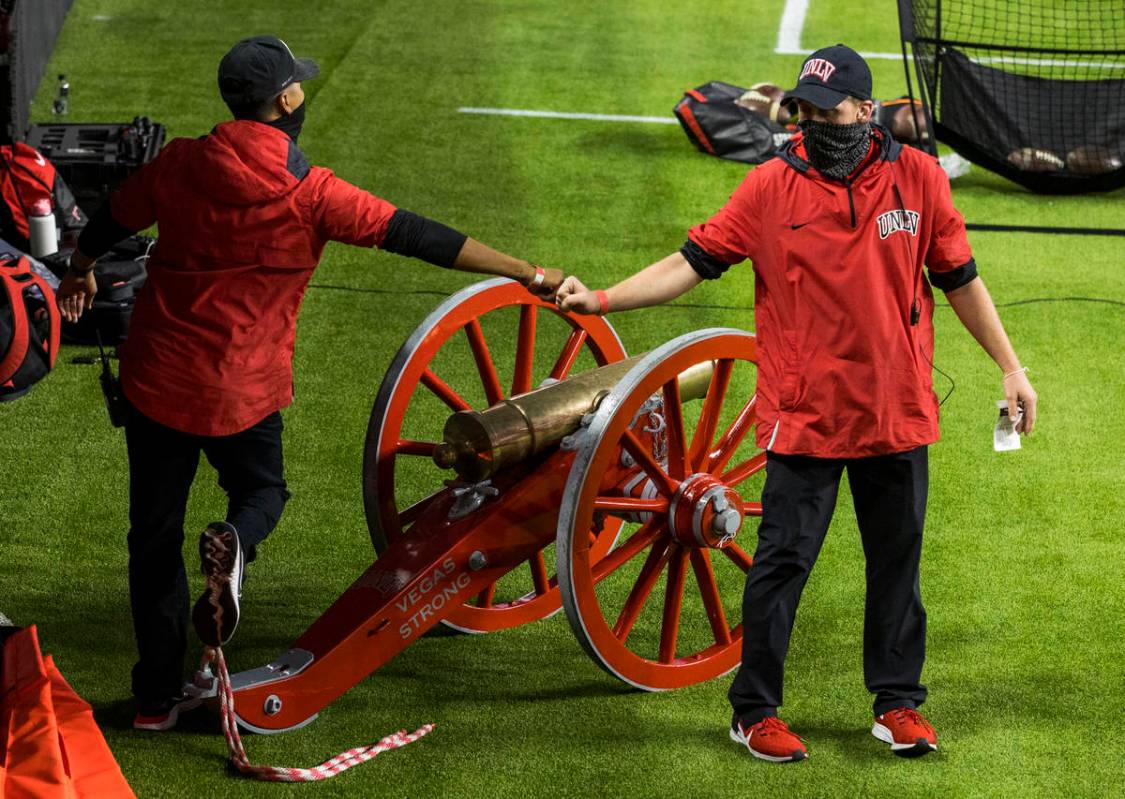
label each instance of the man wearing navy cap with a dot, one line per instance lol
(840, 227)
(243, 221)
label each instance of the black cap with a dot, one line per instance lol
(830, 75)
(258, 69)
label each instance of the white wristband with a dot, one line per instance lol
(1021, 370)
(540, 276)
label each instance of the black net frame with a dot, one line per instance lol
(28, 32)
(1033, 90)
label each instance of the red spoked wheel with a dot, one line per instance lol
(489, 341)
(685, 525)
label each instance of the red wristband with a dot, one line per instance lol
(603, 302)
(540, 276)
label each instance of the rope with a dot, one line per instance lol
(329, 768)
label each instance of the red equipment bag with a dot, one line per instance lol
(718, 126)
(29, 328)
(26, 177)
(49, 744)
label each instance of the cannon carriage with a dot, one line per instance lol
(492, 504)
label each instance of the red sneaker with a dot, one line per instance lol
(908, 733)
(770, 739)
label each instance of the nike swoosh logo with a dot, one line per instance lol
(798, 227)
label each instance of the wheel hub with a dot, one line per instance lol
(705, 513)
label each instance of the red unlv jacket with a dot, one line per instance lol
(843, 313)
(243, 220)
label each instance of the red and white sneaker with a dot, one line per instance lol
(770, 739)
(163, 715)
(908, 733)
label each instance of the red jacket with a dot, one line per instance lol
(842, 372)
(243, 220)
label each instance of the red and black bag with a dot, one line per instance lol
(29, 328)
(718, 126)
(26, 177)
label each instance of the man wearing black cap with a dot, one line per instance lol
(839, 227)
(243, 220)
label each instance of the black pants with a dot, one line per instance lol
(162, 465)
(799, 497)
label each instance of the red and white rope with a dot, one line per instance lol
(329, 768)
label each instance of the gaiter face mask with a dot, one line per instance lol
(291, 123)
(836, 150)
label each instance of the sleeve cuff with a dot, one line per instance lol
(955, 278)
(706, 265)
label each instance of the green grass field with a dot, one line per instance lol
(1021, 572)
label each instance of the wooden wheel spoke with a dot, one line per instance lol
(539, 573)
(673, 604)
(745, 470)
(485, 367)
(442, 391)
(485, 597)
(733, 436)
(406, 446)
(709, 413)
(624, 553)
(737, 555)
(674, 428)
(639, 594)
(641, 454)
(569, 354)
(525, 350)
(631, 505)
(709, 592)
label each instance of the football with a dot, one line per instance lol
(765, 99)
(1093, 159)
(1031, 159)
(902, 124)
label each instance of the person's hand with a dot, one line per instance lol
(546, 289)
(76, 294)
(573, 296)
(1020, 394)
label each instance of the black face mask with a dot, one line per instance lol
(836, 150)
(291, 123)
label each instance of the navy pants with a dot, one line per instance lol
(162, 466)
(889, 492)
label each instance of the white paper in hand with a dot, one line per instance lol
(1005, 437)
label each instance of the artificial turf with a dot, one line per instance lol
(1021, 572)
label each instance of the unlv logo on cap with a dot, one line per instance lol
(819, 68)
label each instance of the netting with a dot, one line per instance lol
(1031, 89)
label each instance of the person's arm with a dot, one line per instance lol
(657, 283)
(78, 286)
(973, 305)
(351, 215)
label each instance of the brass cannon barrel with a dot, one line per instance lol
(478, 444)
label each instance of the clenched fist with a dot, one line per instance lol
(573, 296)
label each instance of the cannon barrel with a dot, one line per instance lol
(478, 444)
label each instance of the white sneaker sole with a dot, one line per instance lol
(170, 720)
(884, 734)
(739, 738)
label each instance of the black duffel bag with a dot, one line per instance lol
(119, 276)
(718, 126)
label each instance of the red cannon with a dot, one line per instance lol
(605, 474)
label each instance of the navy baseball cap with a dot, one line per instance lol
(830, 75)
(260, 68)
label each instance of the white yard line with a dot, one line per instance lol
(520, 112)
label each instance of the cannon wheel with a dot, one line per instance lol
(689, 637)
(460, 315)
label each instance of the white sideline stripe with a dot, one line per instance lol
(521, 112)
(793, 24)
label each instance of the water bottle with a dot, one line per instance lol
(954, 165)
(43, 233)
(62, 99)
